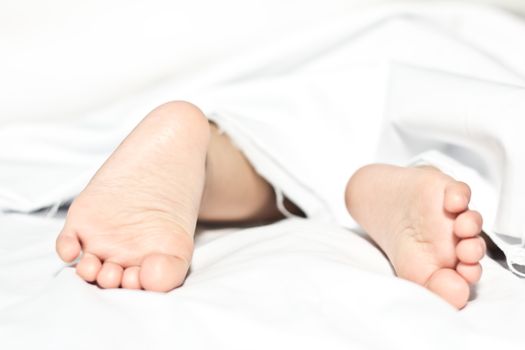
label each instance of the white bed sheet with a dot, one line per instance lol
(293, 284)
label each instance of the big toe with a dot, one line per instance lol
(68, 246)
(162, 273)
(449, 285)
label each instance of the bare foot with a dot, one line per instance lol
(135, 220)
(420, 218)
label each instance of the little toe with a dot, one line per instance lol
(131, 278)
(449, 285)
(470, 272)
(68, 246)
(110, 275)
(162, 273)
(88, 267)
(470, 250)
(468, 224)
(457, 197)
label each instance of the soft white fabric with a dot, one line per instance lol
(307, 284)
(400, 87)
(470, 129)
(294, 284)
(107, 49)
(310, 109)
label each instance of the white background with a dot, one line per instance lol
(60, 58)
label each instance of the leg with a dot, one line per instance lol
(234, 192)
(135, 220)
(420, 219)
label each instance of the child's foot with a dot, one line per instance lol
(420, 218)
(135, 220)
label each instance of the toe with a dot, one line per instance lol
(470, 272)
(457, 197)
(468, 224)
(110, 275)
(68, 246)
(130, 278)
(470, 250)
(88, 267)
(449, 285)
(162, 273)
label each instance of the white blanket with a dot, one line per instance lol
(311, 109)
(296, 283)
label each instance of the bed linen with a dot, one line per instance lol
(401, 87)
(294, 284)
(315, 83)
